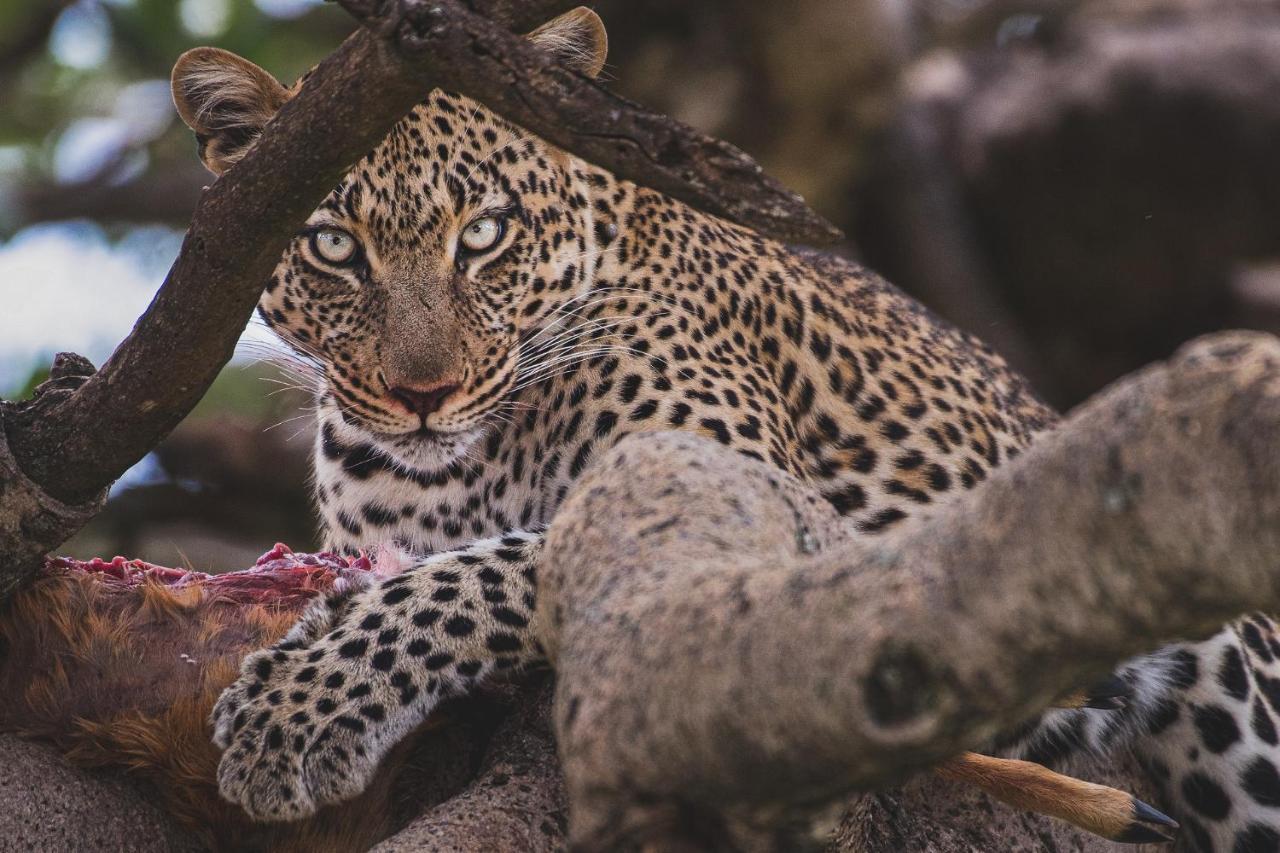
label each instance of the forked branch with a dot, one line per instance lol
(751, 659)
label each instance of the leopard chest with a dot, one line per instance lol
(511, 475)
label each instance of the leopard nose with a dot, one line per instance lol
(424, 401)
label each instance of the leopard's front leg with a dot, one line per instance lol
(310, 718)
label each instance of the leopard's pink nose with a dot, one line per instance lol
(424, 401)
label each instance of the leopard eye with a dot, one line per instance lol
(334, 246)
(481, 234)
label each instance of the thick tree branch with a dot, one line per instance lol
(466, 52)
(70, 446)
(46, 804)
(751, 659)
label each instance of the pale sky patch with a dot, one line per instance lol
(65, 286)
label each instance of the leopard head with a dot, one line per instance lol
(448, 247)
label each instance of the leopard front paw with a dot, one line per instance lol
(299, 731)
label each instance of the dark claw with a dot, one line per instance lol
(1141, 831)
(1111, 694)
(1150, 814)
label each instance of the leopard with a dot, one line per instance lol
(487, 314)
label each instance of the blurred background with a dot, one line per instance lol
(1084, 184)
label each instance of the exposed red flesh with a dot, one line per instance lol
(281, 576)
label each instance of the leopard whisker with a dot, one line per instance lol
(575, 336)
(549, 370)
(577, 312)
(543, 356)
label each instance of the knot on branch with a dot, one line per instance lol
(413, 23)
(31, 520)
(67, 373)
(68, 364)
(901, 687)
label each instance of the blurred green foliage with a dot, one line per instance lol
(70, 75)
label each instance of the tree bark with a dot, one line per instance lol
(515, 802)
(462, 51)
(727, 668)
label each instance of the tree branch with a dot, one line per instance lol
(785, 664)
(167, 195)
(464, 51)
(516, 800)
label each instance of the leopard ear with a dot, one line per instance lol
(226, 100)
(577, 38)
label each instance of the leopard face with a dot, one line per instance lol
(488, 238)
(425, 285)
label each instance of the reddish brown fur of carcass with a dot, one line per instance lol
(97, 669)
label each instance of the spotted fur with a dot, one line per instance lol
(464, 392)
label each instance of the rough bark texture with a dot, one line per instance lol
(726, 668)
(32, 521)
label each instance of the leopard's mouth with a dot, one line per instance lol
(384, 437)
(389, 425)
(422, 435)
(393, 425)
